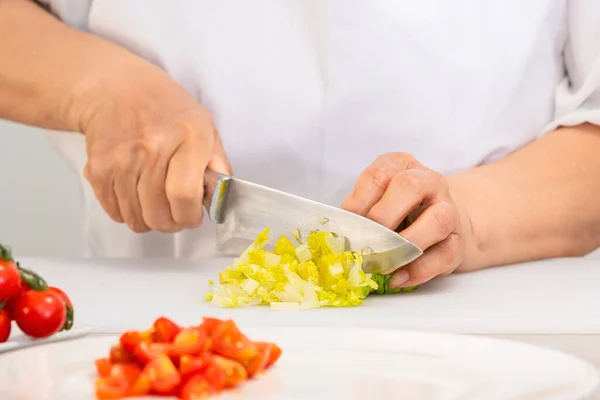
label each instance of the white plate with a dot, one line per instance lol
(336, 364)
(19, 340)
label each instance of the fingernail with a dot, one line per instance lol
(399, 278)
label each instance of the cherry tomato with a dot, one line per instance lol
(10, 303)
(62, 295)
(10, 280)
(40, 314)
(5, 326)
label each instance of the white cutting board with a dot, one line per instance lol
(555, 296)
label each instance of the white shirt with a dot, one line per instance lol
(306, 93)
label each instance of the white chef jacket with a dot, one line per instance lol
(306, 93)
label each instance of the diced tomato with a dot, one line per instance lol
(234, 371)
(191, 342)
(275, 354)
(103, 367)
(163, 374)
(259, 363)
(197, 388)
(140, 387)
(130, 371)
(111, 387)
(165, 330)
(191, 365)
(210, 324)
(229, 342)
(215, 376)
(145, 352)
(130, 340)
(118, 355)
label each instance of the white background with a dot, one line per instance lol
(40, 203)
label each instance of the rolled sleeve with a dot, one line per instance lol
(74, 13)
(578, 94)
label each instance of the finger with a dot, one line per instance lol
(219, 161)
(184, 182)
(374, 180)
(442, 258)
(129, 202)
(103, 188)
(156, 209)
(435, 224)
(407, 191)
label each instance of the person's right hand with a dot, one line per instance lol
(148, 144)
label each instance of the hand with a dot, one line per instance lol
(148, 144)
(395, 188)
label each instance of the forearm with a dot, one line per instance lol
(542, 201)
(48, 68)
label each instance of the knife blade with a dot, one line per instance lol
(241, 210)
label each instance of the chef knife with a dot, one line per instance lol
(241, 210)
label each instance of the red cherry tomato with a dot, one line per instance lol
(61, 294)
(40, 314)
(10, 280)
(4, 325)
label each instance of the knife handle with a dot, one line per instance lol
(216, 188)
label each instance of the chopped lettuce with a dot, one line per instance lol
(318, 272)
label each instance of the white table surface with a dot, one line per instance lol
(553, 303)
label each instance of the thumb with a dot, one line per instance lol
(219, 161)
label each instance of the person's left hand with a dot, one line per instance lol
(395, 188)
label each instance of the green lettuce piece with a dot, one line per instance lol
(383, 282)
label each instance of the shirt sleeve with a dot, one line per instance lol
(578, 95)
(74, 13)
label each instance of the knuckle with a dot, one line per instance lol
(379, 176)
(401, 158)
(95, 171)
(445, 218)
(184, 193)
(138, 227)
(160, 222)
(410, 181)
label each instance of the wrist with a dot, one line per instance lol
(472, 219)
(102, 77)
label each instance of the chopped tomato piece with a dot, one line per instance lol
(130, 340)
(191, 365)
(191, 341)
(118, 355)
(103, 367)
(275, 354)
(215, 376)
(140, 387)
(197, 388)
(165, 330)
(129, 371)
(145, 352)
(259, 363)
(229, 342)
(234, 371)
(111, 387)
(163, 374)
(210, 324)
